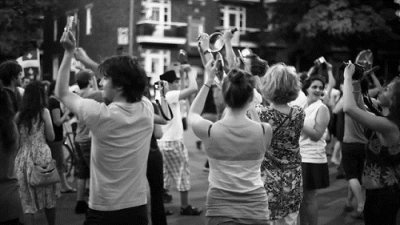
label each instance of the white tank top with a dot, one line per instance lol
(312, 151)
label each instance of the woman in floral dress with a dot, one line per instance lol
(281, 168)
(34, 124)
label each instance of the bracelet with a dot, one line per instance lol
(207, 86)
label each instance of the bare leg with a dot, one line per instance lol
(358, 193)
(350, 197)
(50, 215)
(63, 180)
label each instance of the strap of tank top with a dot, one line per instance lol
(262, 126)
(209, 130)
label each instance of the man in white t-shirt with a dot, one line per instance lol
(175, 154)
(121, 133)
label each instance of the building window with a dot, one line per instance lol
(202, 2)
(156, 62)
(55, 30)
(196, 26)
(233, 17)
(89, 19)
(158, 11)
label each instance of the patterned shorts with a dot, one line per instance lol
(176, 164)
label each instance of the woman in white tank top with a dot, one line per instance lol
(312, 149)
(235, 146)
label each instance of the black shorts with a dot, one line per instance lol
(83, 155)
(315, 175)
(134, 215)
(353, 157)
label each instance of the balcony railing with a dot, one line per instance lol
(150, 32)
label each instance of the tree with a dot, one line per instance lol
(21, 25)
(313, 27)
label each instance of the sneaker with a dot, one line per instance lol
(167, 198)
(190, 211)
(81, 207)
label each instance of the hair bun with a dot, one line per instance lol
(237, 78)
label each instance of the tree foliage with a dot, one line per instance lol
(320, 24)
(341, 19)
(21, 25)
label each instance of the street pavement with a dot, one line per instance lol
(331, 200)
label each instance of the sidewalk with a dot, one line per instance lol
(331, 200)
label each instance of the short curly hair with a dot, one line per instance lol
(280, 84)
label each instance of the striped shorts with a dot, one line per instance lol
(176, 164)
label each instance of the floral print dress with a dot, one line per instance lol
(281, 168)
(382, 165)
(33, 150)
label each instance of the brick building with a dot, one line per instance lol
(154, 30)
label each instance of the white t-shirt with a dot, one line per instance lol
(173, 130)
(121, 135)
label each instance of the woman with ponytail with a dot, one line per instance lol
(235, 146)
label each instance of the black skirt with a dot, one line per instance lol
(315, 175)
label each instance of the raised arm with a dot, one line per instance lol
(163, 106)
(81, 55)
(369, 120)
(374, 91)
(199, 124)
(192, 87)
(230, 54)
(331, 84)
(203, 48)
(70, 100)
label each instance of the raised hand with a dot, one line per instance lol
(204, 41)
(80, 54)
(228, 35)
(68, 41)
(210, 72)
(349, 70)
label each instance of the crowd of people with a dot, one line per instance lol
(263, 128)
